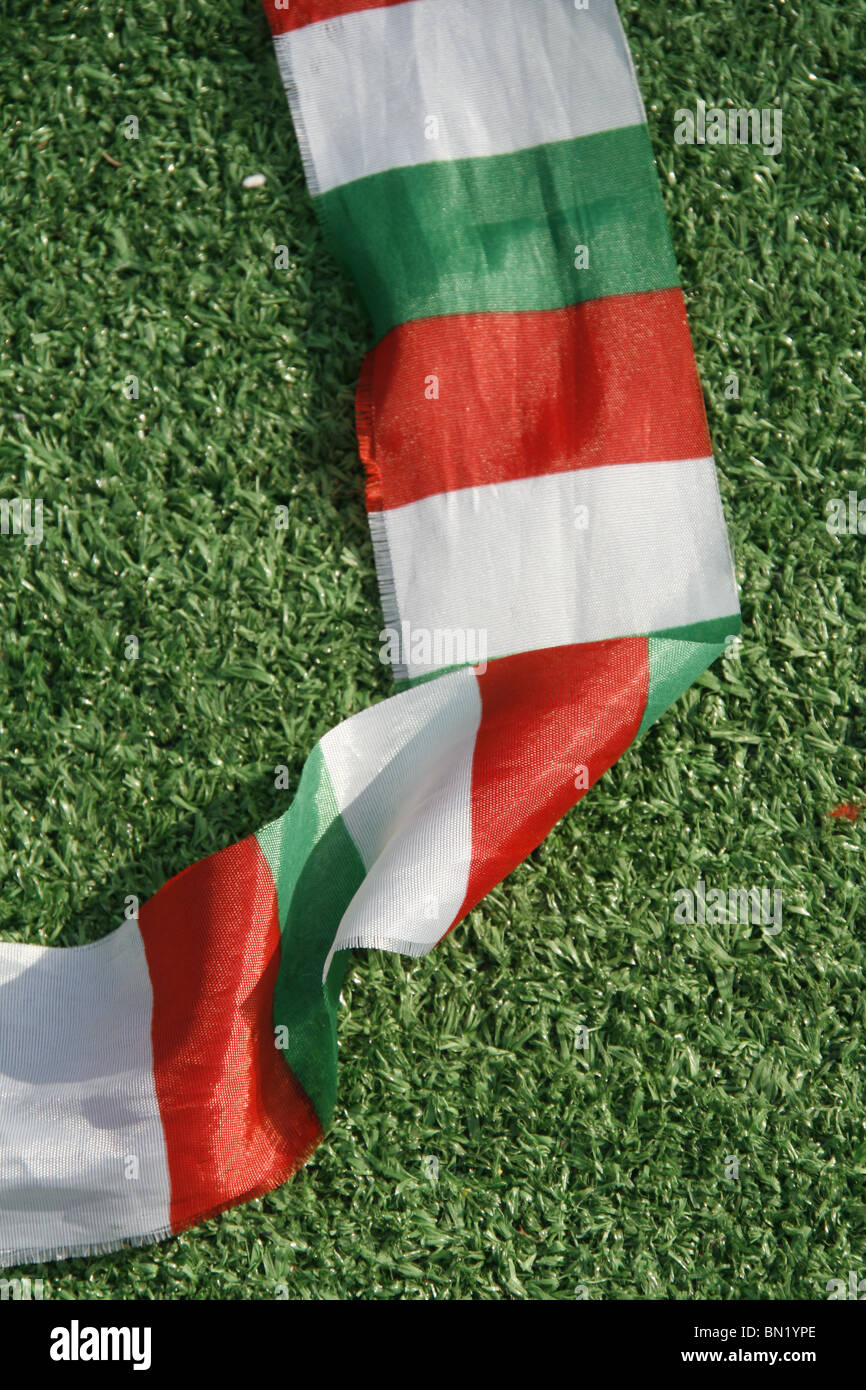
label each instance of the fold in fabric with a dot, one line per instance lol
(554, 570)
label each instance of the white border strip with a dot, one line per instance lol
(83, 1163)
(402, 776)
(597, 553)
(440, 80)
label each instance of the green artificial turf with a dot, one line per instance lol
(562, 1170)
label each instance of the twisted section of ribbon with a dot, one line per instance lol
(554, 570)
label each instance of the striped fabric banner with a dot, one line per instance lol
(554, 570)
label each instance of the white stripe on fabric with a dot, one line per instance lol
(83, 1164)
(442, 79)
(514, 564)
(402, 776)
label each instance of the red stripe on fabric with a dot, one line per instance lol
(236, 1121)
(364, 408)
(544, 716)
(470, 399)
(299, 13)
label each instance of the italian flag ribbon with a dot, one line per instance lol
(554, 570)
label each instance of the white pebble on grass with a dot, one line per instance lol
(254, 180)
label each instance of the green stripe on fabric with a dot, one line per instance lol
(715, 630)
(317, 871)
(499, 233)
(677, 657)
